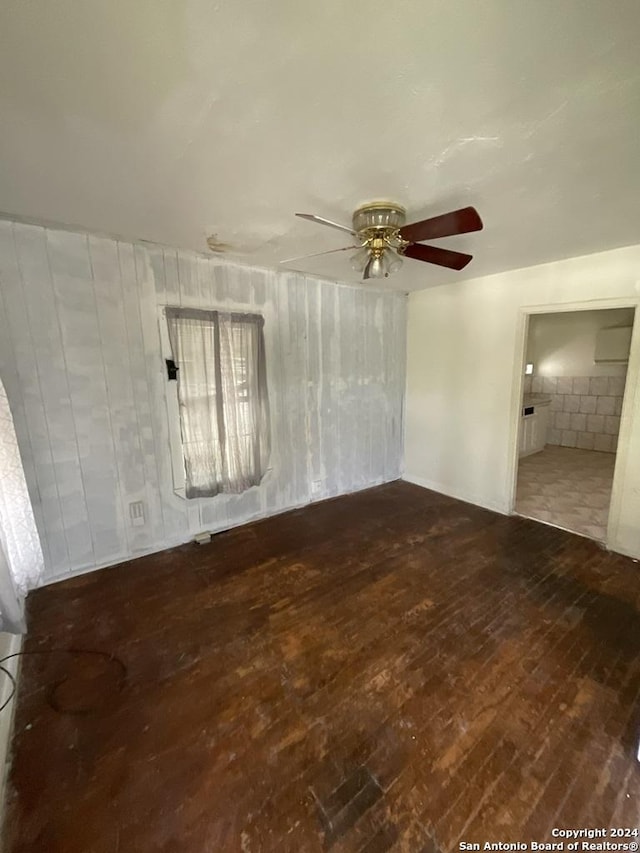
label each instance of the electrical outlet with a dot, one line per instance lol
(136, 513)
(316, 487)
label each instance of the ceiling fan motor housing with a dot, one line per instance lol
(381, 216)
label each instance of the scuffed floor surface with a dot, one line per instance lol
(392, 670)
(567, 487)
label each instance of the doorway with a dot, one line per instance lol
(569, 417)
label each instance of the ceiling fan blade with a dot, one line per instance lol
(456, 222)
(435, 255)
(317, 254)
(322, 221)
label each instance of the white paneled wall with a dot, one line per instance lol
(81, 361)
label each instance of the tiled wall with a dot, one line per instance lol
(585, 410)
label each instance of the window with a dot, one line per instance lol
(222, 397)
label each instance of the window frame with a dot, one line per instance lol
(173, 409)
(178, 472)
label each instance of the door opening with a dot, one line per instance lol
(569, 418)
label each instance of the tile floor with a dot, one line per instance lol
(567, 487)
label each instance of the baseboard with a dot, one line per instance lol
(78, 571)
(621, 549)
(442, 489)
(10, 644)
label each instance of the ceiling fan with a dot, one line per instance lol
(384, 240)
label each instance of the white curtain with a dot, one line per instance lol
(222, 391)
(21, 562)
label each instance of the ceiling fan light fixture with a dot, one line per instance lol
(378, 266)
(394, 261)
(359, 260)
(376, 263)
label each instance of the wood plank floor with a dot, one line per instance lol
(391, 670)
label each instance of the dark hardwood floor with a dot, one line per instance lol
(388, 670)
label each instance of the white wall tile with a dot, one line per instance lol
(604, 443)
(606, 405)
(588, 405)
(612, 425)
(571, 403)
(599, 386)
(586, 440)
(595, 423)
(581, 385)
(579, 422)
(616, 385)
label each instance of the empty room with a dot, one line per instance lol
(319, 426)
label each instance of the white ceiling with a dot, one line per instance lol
(170, 120)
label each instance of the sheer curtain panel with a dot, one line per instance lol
(21, 562)
(223, 400)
